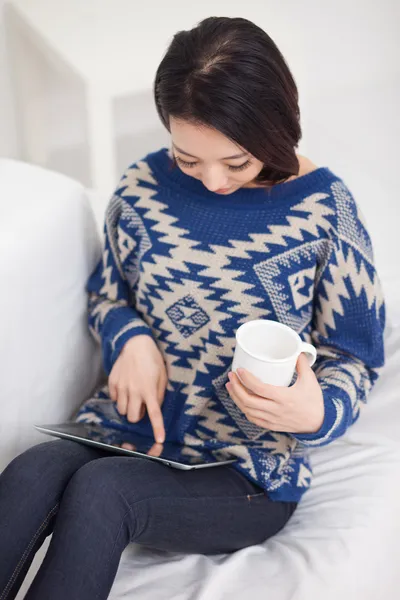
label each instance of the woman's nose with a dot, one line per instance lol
(214, 180)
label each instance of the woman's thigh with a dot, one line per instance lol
(202, 511)
(31, 488)
(44, 470)
(214, 510)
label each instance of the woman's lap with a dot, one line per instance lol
(101, 502)
(208, 510)
(190, 500)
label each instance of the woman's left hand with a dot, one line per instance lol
(295, 409)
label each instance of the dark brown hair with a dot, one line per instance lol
(228, 74)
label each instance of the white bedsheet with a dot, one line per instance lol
(343, 541)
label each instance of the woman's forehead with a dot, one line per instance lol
(201, 141)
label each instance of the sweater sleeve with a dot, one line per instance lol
(348, 329)
(113, 315)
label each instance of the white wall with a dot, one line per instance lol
(8, 141)
(344, 56)
(333, 48)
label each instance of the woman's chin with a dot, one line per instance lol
(226, 191)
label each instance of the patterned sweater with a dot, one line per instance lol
(188, 266)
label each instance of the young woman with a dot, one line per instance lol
(226, 226)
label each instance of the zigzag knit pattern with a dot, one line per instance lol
(188, 267)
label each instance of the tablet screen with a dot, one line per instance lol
(118, 438)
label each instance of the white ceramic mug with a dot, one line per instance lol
(270, 350)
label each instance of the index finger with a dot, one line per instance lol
(156, 449)
(156, 419)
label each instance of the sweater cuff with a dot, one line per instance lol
(120, 325)
(334, 419)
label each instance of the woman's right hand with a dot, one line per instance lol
(138, 381)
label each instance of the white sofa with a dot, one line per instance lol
(344, 539)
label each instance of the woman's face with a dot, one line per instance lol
(205, 154)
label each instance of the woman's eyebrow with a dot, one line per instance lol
(226, 157)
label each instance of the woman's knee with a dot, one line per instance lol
(57, 459)
(91, 501)
(115, 475)
(99, 480)
(108, 487)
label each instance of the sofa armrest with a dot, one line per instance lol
(49, 245)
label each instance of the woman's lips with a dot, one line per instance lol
(222, 190)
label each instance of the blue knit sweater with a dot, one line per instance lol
(188, 266)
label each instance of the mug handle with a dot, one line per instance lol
(310, 351)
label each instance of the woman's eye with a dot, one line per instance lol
(240, 167)
(184, 163)
(189, 165)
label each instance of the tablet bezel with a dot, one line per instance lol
(53, 431)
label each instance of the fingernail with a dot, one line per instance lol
(240, 371)
(230, 376)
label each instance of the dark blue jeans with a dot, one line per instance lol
(96, 503)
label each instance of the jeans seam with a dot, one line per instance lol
(227, 498)
(250, 496)
(130, 510)
(138, 502)
(25, 555)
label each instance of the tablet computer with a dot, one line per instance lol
(132, 444)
